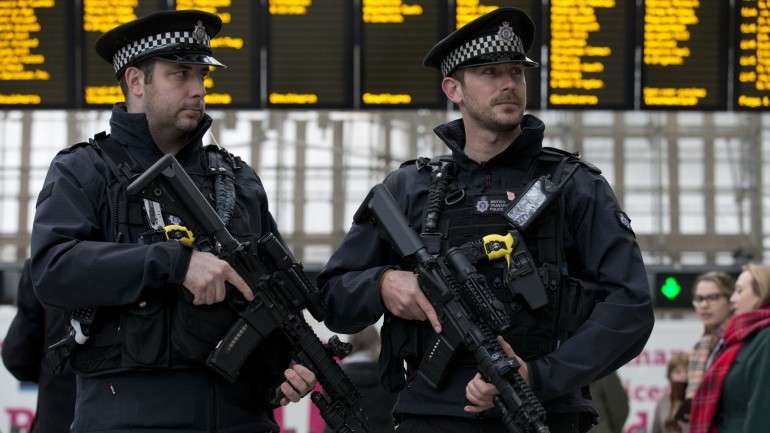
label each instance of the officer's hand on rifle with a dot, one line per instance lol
(402, 296)
(206, 277)
(481, 394)
(299, 382)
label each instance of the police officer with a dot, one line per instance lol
(149, 310)
(598, 313)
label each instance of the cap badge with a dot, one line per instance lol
(505, 32)
(199, 34)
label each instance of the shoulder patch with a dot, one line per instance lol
(624, 221)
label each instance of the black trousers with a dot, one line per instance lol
(557, 423)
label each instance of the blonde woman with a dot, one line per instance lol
(735, 396)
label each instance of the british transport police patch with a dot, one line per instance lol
(624, 220)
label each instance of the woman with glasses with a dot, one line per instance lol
(734, 396)
(711, 300)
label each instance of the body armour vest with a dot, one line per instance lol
(162, 329)
(474, 206)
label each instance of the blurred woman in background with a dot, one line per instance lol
(734, 396)
(711, 300)
(669, 403)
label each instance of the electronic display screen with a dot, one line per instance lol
(310, 61)
(591, 54)
(37, 61)
(395, 38)
(752, 55)
(684, 55)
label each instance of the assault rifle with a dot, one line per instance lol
(470, 314)
(281, 291)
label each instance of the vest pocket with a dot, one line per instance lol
(145, 331)
(196, 329)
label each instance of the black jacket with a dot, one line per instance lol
(32, 330)
(77, 263)
(599, 247)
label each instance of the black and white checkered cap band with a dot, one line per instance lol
(135, 49)
(478, 47)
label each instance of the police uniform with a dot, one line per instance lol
(598, 314)
(93, 246)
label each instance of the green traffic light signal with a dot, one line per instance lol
(671, 288)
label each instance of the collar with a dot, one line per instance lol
(132, 131)
(526, 146)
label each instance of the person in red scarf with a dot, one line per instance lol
(735, 394)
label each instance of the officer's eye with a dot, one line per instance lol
(488, 71)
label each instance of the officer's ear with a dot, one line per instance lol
(453, 88)
(135, 80)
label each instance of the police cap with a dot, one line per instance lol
(501, 36)
(175, 36)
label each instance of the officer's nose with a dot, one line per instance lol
(197, 87)
(507, 82)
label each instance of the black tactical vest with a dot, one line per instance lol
(474, 206)
(162, 329)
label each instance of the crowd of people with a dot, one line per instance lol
(720, 385)
(147, 307)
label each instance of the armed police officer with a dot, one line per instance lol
(148, 310)
(596, 313)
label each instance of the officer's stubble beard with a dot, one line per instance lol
(487, 117)
(168, 117)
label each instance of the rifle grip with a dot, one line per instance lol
(233, 349)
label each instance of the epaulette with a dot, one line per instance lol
(91, 142)
(552, 154)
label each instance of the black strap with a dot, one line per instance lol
(442, 175)
(221, 165)
(115, 156)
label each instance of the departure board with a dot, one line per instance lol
(235, 46)
(684, 54)
(591, 54)
(396, 35)
(468, 10)
(100, 87)
(752, 55)
(37, 61)
(310, 60)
